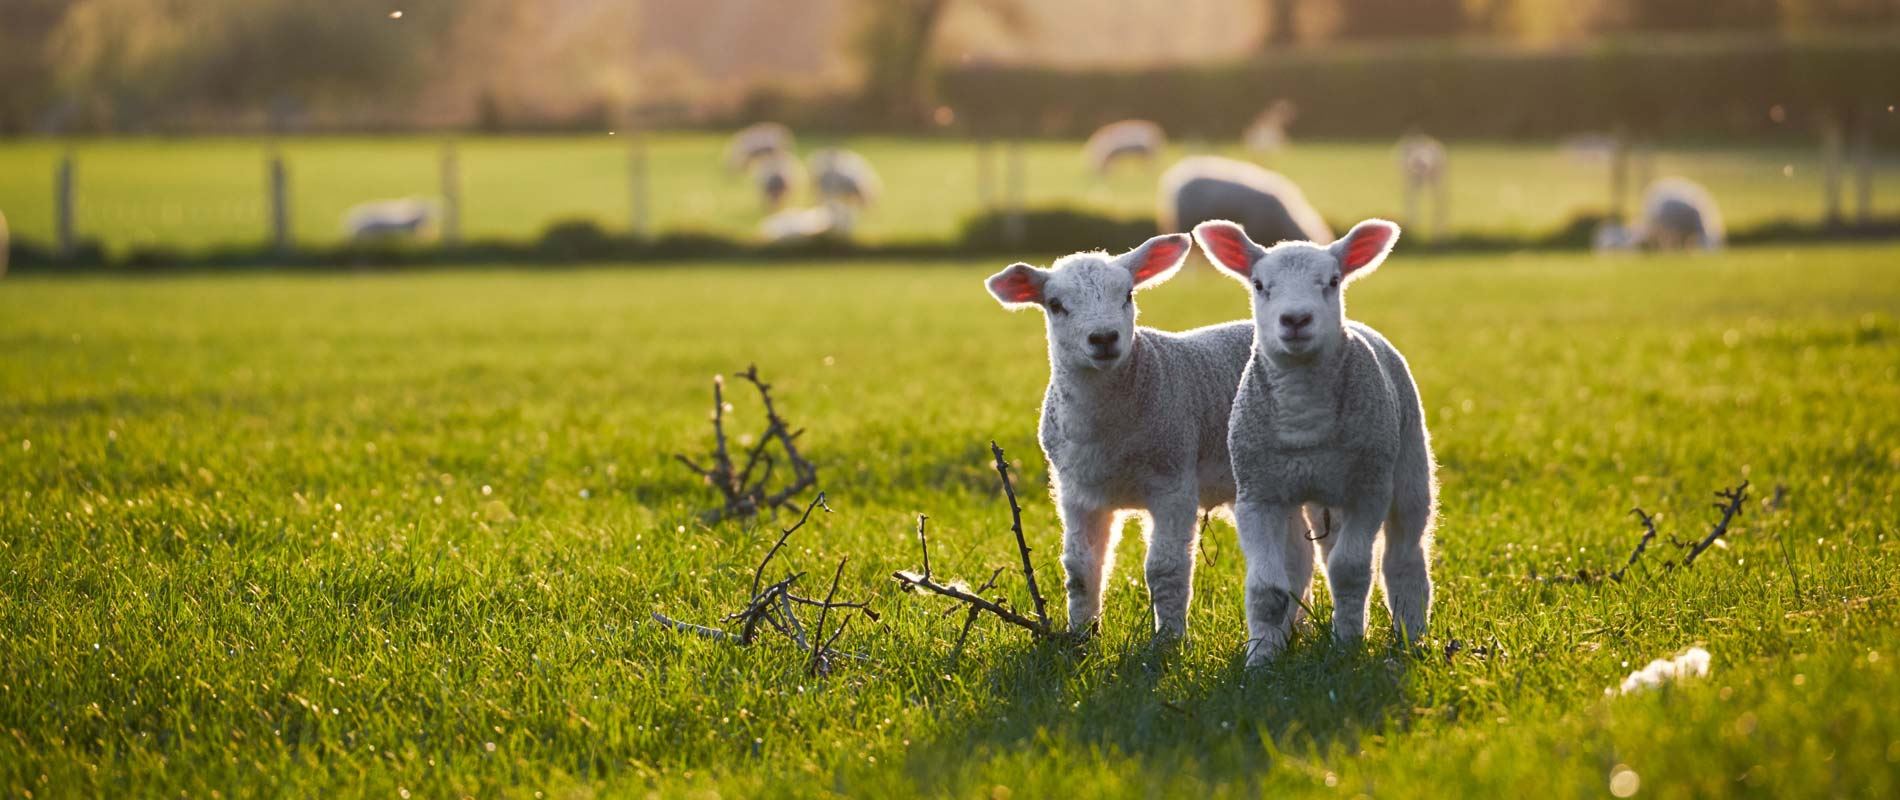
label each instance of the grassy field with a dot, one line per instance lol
(193, 194)
(380, 535)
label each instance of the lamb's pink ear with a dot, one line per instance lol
(1226, 244)
(1017, 286)
(1362, 248)
(1157, 259)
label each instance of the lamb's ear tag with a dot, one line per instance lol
(1157, 259)
(1363, 247)
(1017, 286)
(1226, 244)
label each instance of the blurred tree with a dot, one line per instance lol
(1699, 15)
(895, 41)
(1396, 19)
(25, 26)
(1281, 30)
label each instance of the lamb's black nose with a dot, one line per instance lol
(1294, 322)
(1104, 338)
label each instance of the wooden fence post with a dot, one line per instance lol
(451, 166)
(637, 183)
(1831, 149)
(1864, 171)
(63, 205)
(278, 191)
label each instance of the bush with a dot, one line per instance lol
(1676, 88)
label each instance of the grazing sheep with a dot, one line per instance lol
(1267, 135)
(389, 219)
(1327, 413)
(1127, 140)
(755, 142)
(1208, 187)
(1134, 419)
(1678, 214)
(845, 176)
(774, 175)
(1422, 166)
(795, 225)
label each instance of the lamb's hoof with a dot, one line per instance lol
(1261, 652)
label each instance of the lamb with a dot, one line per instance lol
(1677, 214)
(388, 219)
(773, 175)
(1266, 135)
(754, 142)
(1206, 188)
(844, 176)
(1134, 420)
(1422, 166)
(1127, 140)
(797, 225)
(1326, 413)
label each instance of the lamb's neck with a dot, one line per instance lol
(1101, 396)
(1305, 394)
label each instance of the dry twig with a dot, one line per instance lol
(1730, 506)
(745, 496)
(1649, 535)
(977, 603)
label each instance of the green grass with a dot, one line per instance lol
(196, 193)
(272, 535)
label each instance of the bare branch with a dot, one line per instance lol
(758, 573)
(1022, 544)
(818, 633)
(710, 633)
(1731, 505)
(1649, 535)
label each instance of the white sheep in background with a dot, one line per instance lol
(754, 142)
(774, 176)
(1134, 419)
(406, 217)
(1127, 140)
(1267, 135)
(844, 176)
(1678, 214)
(1205, 188)
(1328, 414)
(796, 225)
(1422, 161)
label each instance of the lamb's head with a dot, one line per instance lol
(1298, 288)
(1088, 299)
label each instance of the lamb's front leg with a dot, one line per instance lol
(1087, 548)
(1263, 531)
(1349, 563)
(1171, 538)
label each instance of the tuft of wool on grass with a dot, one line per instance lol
(1691, 664)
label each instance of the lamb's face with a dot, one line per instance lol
(1297, 303)
(1089, 307)
(1298, 287)
(1088, 299)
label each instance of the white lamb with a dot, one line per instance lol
(1327, 413)
(1678, 214)
(754, 142)
(1206, 188)
(797, 225)
(1422, 162)
(1127, 140)
(844, 176)
(379, 220)
(1134, 420)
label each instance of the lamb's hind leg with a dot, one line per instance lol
(1170, 567)
(1349, 565)
(1087, 547)
(1406, 569)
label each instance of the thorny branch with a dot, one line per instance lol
(745, 496)
(776, 604)
(1730, 506)
(1649, 535)
(977, 603)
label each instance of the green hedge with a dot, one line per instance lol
(1669, 88)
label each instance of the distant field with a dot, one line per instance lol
(197, 193)
(291, 535)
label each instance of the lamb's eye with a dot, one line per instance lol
(1130, 298)
(1334, 283)
(1055, 307)
(1259, 287)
